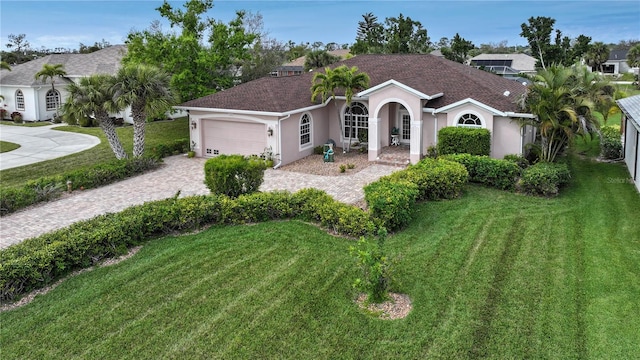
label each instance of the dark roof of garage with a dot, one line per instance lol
(425, 73)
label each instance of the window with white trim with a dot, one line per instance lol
(52, 99)
(19, 100)
(356, 121)
(305, 131)
(469, 120)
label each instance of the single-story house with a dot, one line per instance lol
(35, 100)
(417, 94)
(507, 65)
(630, 107)
(617, 63)
(296, 66)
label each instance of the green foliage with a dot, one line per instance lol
(610, 142)
(398, 35)
(520, 160)
(234, 175)
(544, 179)
(343, 168)
(376, 268)
(50, 187)
(199, 64)
(435, 178)
(392, 202)
(459, 140)
(175, 147)
(500, 174)
(318, 150)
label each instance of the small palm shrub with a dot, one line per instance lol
(234, 175)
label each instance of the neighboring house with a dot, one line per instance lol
(35, 99)
(507, 65)
(296, 67)
(418, 94)
(630, 107)
(616, 64)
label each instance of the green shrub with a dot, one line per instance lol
(544, 179)
(391, 201)
(500, 174)
(318, 150)
(436, 178)
(610, 142)
(375, 266)
(460, 140)
(234, 175)
(176, 147)
(520, 160)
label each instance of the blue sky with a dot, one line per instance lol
(67, 23)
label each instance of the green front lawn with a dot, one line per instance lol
(157, 133)
(6, 146)
(491, 275)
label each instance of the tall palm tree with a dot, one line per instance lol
(51, 72)
(93, 96)
(633, 56)
(146, 89)
(351, 81)
(562, 114)
(325, 85)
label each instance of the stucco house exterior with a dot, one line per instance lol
(418, 94)
(35, 100)
(507, 65)
(630, 107)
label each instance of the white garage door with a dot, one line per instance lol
(230, 137)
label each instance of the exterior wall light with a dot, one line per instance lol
(270, 131)
(194, 125)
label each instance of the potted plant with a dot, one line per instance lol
(16, 117)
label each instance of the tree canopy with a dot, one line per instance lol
(198, 66)
(398, 35)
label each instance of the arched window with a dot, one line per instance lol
(356, 121)
(305, 131)
(470, 120)
(19, 100)
(52, 99)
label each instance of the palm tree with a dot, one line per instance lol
(325, 85)
(351, 81)
(562, 112)
(319, 58)
(146, 89)
(633, 56)
(51, 72)
(597, 55)
(93, 96)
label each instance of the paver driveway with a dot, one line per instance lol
(178, 174)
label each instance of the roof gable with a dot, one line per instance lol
(402, 86)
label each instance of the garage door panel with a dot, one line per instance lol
(229, 137)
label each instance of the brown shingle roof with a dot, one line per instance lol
(425, 73)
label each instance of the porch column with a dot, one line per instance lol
(415, 149)
(375, 144)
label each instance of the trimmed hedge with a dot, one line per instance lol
(392, 201)
(544, 179)
(459, 140)
(436, 178)
(234, 175)
(610, 142)
(37, 262)
(500, 174)
(176, 147)
(520, 160)
(50, 187)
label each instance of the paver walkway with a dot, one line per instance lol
(178, 174)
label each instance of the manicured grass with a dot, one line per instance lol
(27, 124)
(491, 275)
(6, 146)
(157, 133)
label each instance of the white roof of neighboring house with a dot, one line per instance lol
(105, 61)
(520, 62)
